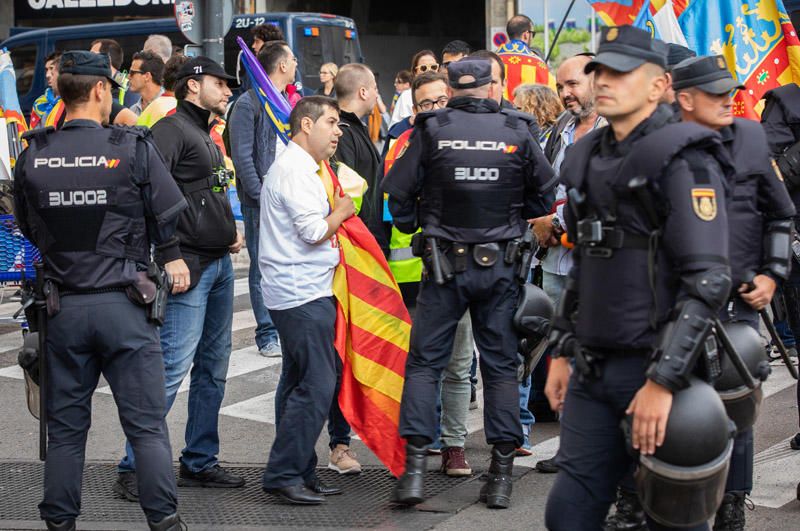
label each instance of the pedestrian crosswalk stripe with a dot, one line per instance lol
(242, 361)
(260, 408)
(775, 476)
(241, 321)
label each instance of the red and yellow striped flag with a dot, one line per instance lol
(373, 330)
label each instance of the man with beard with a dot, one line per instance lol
(575, 90)
(199, 314)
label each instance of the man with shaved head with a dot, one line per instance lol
(357, 92)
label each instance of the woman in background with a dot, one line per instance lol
(541, 102)
(327, 75)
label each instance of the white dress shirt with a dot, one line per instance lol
(403, 107)
(294, 269)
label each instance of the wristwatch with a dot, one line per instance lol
(556, 221)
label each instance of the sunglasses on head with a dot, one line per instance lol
(424, 68)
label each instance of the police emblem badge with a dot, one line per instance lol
(704, 203)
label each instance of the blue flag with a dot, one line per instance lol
(276, 106)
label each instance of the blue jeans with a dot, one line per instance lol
(197, 330)
(265, 330)
(526, 418)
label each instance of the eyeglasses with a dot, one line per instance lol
(428, 105)
(131, 72)
(421, 69)
(398, 81)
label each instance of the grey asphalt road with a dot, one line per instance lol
(247, 431)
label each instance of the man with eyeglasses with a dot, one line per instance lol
(145, 78)
(429, 92)
(523, 65)
(475, 154)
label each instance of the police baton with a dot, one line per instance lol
(41, 317)
(776, 338)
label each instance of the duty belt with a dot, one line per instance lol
(90, 291)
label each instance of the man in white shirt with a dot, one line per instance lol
(298, 253)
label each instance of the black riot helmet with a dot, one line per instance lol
(532, 322)
(741, 402)
(683, 483)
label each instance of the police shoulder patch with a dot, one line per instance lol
(704, 203)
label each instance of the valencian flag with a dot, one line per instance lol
(756, 37)
(373, 328)
(523, 65)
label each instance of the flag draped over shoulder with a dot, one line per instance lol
(373, 330)
(276, 106)
(523, 66)
(757, 38)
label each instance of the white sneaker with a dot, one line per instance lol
(272, 350)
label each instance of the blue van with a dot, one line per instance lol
(315, 38)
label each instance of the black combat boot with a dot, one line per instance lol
(730, 515)
(629, 515)
(496, 493)
(172, 522)
(410, 488)
(66, 525)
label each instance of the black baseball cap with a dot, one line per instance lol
(625, 48)
(83, 63)
(476, 70)
(708, 73)
(203, 66)
(677, 53)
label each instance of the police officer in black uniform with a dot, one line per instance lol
(93, 200)
(471, 176)
(760, 215)
(646, 206)
(781, 122)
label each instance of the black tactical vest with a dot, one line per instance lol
(85, 206)
(787, 98)
(745, 219)
(474, 180)
(626, 287)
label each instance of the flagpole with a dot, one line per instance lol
(560, 27)
(546, 30)
(593, 32)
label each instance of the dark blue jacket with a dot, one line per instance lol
(252, 146)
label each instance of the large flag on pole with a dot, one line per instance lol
(373, 328)
(12, 122)
(758, 42)
(757, 38)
